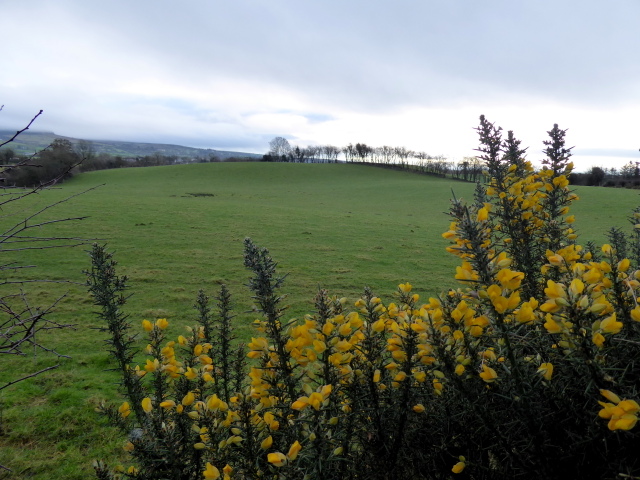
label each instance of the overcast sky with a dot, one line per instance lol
(233, 74)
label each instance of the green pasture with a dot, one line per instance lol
(176, 229)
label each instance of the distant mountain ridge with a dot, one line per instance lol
(30, 142)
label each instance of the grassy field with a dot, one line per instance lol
(176, 229)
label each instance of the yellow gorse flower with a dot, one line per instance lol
(546, 370)
(551, 325)
(124, 410)
(147, 406)
(622, 414)
(152, 365)
(188, 399)
(266, 443)
(510, 279)
(611, 325)
(162, 323)
(277, 459)
(211, 472)
(488, 374)
(459, 467)
(294, 450)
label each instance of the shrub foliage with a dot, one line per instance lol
(528, 370)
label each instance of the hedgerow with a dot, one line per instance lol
(527, 370)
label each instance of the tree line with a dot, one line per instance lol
(469, 168)
(57, 161)
(62, 159)
(627, 176)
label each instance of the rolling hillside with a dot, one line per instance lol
(31, 141)
(176, 229)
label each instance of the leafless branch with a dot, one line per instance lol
(9, 266)
(21, 165)
(24, 378)
(39, 280)
(21, 325)
(57, 220)
(44, 247)
(20, 131)
(23, 225)
(45, 239)
(19, 320)
(47, 185)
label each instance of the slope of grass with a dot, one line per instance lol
(599, 209)
(176, 229)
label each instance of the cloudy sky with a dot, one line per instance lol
(233, 74)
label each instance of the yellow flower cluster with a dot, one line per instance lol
(338, 343)
(584, 295)
(622, 414)
(279, 459)
(575, 303)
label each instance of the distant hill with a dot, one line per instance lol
(31, 141)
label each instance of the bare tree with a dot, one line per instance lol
(84, 149)
(298, 155)
(279, 147)
(403, 154)
(330, 153)
(20, 321)
(349, 153)
(388, 154)
(376, 155)
(312, 152)
(363, 152)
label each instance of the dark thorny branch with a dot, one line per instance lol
(20, 131)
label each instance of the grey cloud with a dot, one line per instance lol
(338, 56)
(407, 52)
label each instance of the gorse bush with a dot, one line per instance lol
(528, 370)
